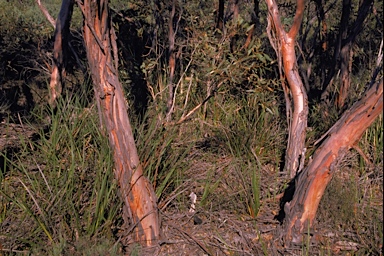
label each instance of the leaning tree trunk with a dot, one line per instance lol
(284, 45)
(312, 181)
(136, 191)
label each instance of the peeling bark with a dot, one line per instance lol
(295, 152)
(311, 183)
(135, 189)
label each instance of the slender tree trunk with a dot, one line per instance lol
(346, 56)
(345, 43)
(46, 13)
(171, 63)
(256, 10)
(136, 191)
(60, 50)
(323, 37)
(220, 16)
(234, 9)
(336, 52)
(312, 181)
(255, 21)
(285, 49)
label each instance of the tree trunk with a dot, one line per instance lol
(346, 56)
(220, 16)
(60, 50)
(311, 183)
(256, 10)
(171, 63)
(46, 13)
(136, 191)
(345, 42)
(295, 153)
(323, 38)
(234, 9)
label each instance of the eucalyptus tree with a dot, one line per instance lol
(311, 178)
(137, 193)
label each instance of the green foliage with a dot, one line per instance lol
(372, 143)
(163, 160)
(22, 22)
(61, 187)
(57, 192)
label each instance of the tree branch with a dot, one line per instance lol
(46, 13)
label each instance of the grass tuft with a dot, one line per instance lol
(60, 187)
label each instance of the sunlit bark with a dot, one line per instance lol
(312, 181)
(135, 189)
(284, 44)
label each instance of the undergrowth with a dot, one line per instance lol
(57, 193)
(225, 142)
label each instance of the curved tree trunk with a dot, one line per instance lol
(285, 49)
(311, 183)
(136, 190)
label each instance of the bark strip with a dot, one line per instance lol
(136, 191)
(295, 152)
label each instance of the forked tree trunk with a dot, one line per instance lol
(284, 44)
(136, 191)
(342, 52)
(312, 181)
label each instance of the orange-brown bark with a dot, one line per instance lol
(136, 191)
(311, 183)
(298, 123)
(249, 38)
